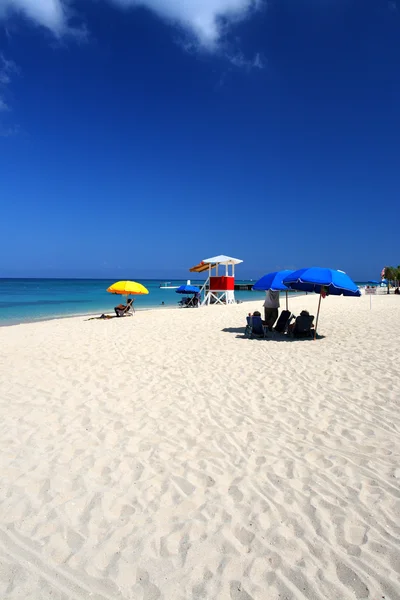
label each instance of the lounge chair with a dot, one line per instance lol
(255, 328)
(303, 327)
(125, 311)
(282, 323)
(188, 302)
(184, 302)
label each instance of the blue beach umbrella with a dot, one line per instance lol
(188, 289)
(323, 282)
(374, 282)
(273, 281)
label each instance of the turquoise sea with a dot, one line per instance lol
(26, 300)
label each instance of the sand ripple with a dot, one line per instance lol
(167, 457)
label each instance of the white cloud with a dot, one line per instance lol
(239, 60)
(49, 13)
(4, 78)
(205, 20)
(7, 68)
(10, 131)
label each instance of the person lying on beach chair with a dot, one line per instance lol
(255, 326)
(125, 310)
(303, 326)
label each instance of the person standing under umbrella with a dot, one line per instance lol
(271, 306)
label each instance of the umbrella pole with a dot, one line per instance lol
(316, 323)
(286, 301)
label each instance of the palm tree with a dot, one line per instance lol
(390, 275)
(397, 276)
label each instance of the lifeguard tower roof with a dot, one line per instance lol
(223, 260)
(216, 260)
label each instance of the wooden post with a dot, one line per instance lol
(319, 306)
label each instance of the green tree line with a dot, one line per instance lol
(392, 274)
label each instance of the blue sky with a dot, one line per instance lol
(141, 137)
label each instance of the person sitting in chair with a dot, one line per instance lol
(303, 326)
(124, 309)
(255, 325)
(196, 300)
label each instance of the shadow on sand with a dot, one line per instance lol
(103, 318)
(273, 336)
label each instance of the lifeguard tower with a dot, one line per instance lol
(218, 289)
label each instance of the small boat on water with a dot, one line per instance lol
(166, 285)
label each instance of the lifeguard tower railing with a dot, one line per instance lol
(218, 289)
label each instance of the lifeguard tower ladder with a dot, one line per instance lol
(218, 289)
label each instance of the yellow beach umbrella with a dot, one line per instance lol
(127, 288)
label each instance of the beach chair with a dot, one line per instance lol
(127, 311)
(184, 302)
(255, 328)
(303, 327)
(282, 323)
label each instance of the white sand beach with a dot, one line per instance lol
(165, 456)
